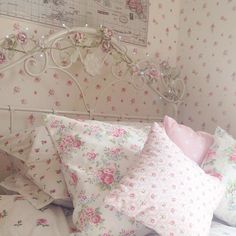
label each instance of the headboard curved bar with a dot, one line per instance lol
(148, 72)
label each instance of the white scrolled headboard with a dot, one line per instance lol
(96, 52)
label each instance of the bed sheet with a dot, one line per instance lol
(19, 218)
(219, 229)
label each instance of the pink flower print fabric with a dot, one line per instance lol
(18, 217)
(95, 156)
(31, 192)
(42, 164)
(220, 162)
(167, 191)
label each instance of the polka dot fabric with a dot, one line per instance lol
(167, 191)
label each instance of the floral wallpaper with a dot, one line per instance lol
(55, 90)
(207, 57)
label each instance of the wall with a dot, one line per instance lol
(55, 90)
(207, 57)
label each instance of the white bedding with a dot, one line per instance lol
(19, 218)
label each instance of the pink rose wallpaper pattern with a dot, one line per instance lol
(206, 57)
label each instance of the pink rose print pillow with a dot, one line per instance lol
(42, 164)
(193, 144)
(95, 156)
(167, 191)
(220, 162)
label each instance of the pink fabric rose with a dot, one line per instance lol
(106, 45)
(74, 179)
(153, 73)
(118, 132)
(107, 33)
(54, 124)
(115, 151)
(89, 212)
(233, 158)
(91, 155)
(69, 141)
(106, 176)
(22, 37)
(96, 219)
(82, 220)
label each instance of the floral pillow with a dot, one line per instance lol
(167, 191)
(22, 185)
(41, 162)
(95, 157)
(220, 161)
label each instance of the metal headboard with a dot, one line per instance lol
(63, 49)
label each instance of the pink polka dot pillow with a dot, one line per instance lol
(193, 144)
(167, 191)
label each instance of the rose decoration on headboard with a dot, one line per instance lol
(92, 48)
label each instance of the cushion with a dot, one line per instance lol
(220, 161)
(95, 156)
(41, 162)
(167, 191)
(193, 144)
(31, 192)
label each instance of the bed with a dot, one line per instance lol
(47, 191)
(55, 220)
